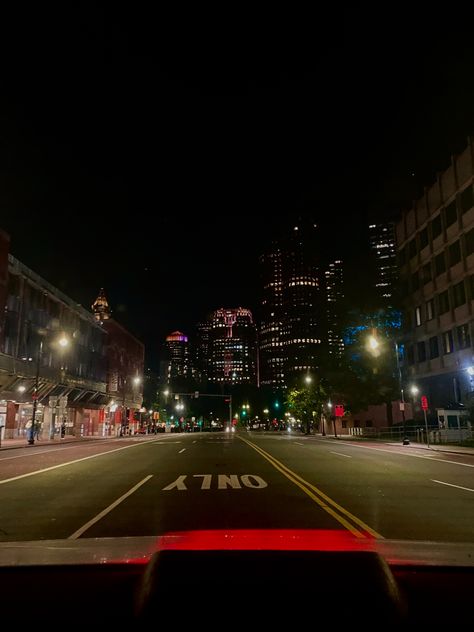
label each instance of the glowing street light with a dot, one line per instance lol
(21, 388)
(414, 390)
(136, 380)
(373, 343)
(63, 342)
(308, 379)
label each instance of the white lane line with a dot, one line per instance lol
(468, 489)
(108, 509)
(417, 456)
(298, 443)
(340, 454)
(182, 450)
(55, 467)
(194, 441)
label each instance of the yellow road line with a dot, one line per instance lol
(322, 499)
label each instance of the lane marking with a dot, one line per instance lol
(321, 498)
(85, 458)
(182, 450)
(340, 454)
(298, 443)
(194, 441)
(108, 509)
(468, 489)
(418, 456)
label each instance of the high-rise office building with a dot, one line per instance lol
(201, 349)
(232, 347)
(292, 307)
(334, 281)
(303, 307)
(383, 246)
(271, 352)
(178, 364)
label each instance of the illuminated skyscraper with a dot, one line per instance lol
(178, 364)
(293, 310)
(232, 347)
(382, 244)
(100, 307)
(334, 281)
(271, 352)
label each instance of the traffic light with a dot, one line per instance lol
(244, 412)
(277, 404)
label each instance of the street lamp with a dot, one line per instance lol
(374, 347)
(63, 342)
(308, 379)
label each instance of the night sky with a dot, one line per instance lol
(157, 159)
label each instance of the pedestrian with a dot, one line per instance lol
(37, 430)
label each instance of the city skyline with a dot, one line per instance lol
(174, 205)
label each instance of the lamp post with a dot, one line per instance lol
(63, 342)
(374, 345)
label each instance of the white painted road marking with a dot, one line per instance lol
(418, 456)
(468, 489)
(224, 481)
(340, 454)
(206, 480)
(182, 450)
(194, 441)
(84, 458)
(108, 509)
(297, 443)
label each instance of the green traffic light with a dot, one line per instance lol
(277, 405)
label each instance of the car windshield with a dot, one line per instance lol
(236, 288)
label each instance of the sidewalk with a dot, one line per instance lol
(22, 442)
(434, 447)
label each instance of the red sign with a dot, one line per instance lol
(424, 402)
(339, 410)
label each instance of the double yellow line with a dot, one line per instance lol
(340, 514)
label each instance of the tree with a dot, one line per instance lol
(306, 403)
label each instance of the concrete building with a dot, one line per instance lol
(334, 285)
(435, 240)
(178, 360)
(384, 250)
(233, 347)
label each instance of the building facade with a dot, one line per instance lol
(233, 347)
(178, 360)
(384, 251)
(270, 347)
(201, 350)
(292, 338)
(334, 285)
(435, 240)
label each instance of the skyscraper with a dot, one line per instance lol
(293, 312)
(201, 349)
(100, 307)
(334, 281)
(178, 364)
(271, 352)
(232, 347)
(382, 244)
(303, 308)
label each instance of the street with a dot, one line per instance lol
(166, 483)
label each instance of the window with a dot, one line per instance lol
(430, 313)
(455, 253)
(411, 355)
(470, 242)
(436, 227)
(415, 281)
(434, 350)
(412, 248)
(440, 263)
(426, 273)
(448, 342)
(459, 294)
(467, 199)
(443, 302)
(418, 316)
(464, 336)
(423, 238)
(421, 351)
(450, 214)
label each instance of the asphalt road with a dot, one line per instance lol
(168, 483)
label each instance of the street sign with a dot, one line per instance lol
(402, 405)
(196, 394)
(339, 410)
(424, 402)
